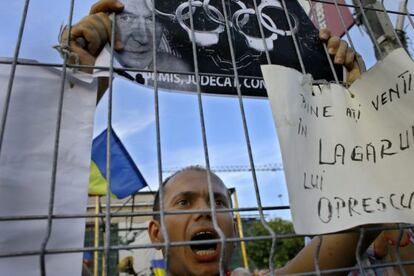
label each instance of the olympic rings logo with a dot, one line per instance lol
(239, 21)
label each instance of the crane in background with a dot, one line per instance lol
(270, 167)
(384, 36)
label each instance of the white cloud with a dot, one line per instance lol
(132, 123)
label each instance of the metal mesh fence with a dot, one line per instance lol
(120, 231)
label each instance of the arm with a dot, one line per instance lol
(337, 251)
(385, 247)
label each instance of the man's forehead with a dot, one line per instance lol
(194, 180)
(136, 6)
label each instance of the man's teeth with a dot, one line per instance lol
(203, 232)
(205, 252)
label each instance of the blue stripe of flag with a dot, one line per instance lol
(126, 179)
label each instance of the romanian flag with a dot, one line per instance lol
(126, 179)
(158, 267)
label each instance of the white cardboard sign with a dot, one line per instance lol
(348, 154)
(26, 162)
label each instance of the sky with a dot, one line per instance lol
(181, 140)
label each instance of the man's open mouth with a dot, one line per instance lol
(204, 249)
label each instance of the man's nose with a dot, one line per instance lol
(141, 31)
(203, 205)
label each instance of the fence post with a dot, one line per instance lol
(383, 32)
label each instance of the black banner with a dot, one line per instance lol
(174, 43)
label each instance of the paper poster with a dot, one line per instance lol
(174, 47)
(26, 168)
(348, 154)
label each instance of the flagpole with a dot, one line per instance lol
(240, 228)
(103, 265)
(96, 240)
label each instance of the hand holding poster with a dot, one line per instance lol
(348, 154)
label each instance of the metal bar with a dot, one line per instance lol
(331, 65)
(151, 213)
(235, 168)
(55, 154)
(258, 18)
(142, 213)
(358, 251)
(143, 70)
(353, 6)
(185, 243)
(341, 18)
(124, 206)
(111, 212)
(295, 42)
(148, 245)
(370, 31)
(328, 57)
(410, 19)
(350, 42)
(205, 147)
(103, 265)
(96, 239)
(399, 25)
(158, 137)
(241, 234)
(178, 243)
(317, 255)
(12, 73)
(247, 139)
(398, 249)
(107, 239)
(84, 249)
(397, 37)
(123, 69)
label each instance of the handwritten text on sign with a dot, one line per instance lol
(348, 154)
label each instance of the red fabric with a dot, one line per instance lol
(325, 15)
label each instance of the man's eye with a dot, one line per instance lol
(183, 203)
(220, 203)
(126, 17)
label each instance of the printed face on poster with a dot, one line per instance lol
(172, 39)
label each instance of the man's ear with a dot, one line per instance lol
(154, 232)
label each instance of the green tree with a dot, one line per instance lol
(259, 251)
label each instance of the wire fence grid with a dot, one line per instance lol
(122, 219)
